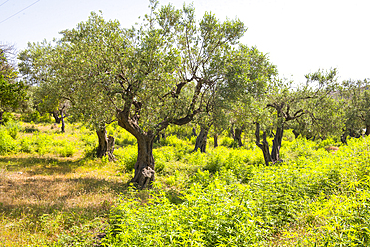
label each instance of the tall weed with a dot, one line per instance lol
(218, 215)
(7, 143)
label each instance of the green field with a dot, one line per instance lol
(53, 192)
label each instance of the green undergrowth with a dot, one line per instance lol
(316, 199)
(56, 193)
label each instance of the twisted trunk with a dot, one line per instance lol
(276, 144)
(56, 116)
(367, 132)
(264, 146)
(215, 140)
(343, 138)
(232, 134)
(106, 145)
(62, 119)
(144, 166)
(201, 142)
(238, 135)
(194, 133)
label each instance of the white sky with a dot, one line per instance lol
(300, 36)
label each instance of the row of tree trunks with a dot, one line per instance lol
(353, 133)
(106, 145)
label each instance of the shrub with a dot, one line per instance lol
(7, 143)
(13, 128)
(228, 142)
(127, 157)
(217, 215)
(7, 116)
(43, 143)
(26, 145)
(67, 149)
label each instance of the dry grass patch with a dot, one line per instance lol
(43, 199)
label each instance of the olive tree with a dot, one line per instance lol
(249, 65)
(356, 102)
(164, 71)
(12, 90)
(285, 104)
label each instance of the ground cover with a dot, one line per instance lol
(53, 192)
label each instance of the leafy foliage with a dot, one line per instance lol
(12, 91)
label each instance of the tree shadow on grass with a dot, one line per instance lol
(34, 197)
(40, 165)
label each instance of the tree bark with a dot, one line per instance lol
(106, 145)
(343, 138)
(238, 136)
(367, 132)
(296, 133)
(194, 133)
(56, 116)
(215, 140)
(232, 134)
(276, 144)
(62, 119)
(201, 141)
(144, 166)
(264, 146)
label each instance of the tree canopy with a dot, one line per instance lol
(12, 91)
(309, 106)
(164, 71)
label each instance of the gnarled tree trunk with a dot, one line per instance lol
(56, 116)
(296, 133)
(62, 119)
(276, 144)
(201, 142)
(106, 145)
(343, 138)
(367, 132)
(264, 146)
(238, 135)
(215, 140)
(193, 132)
(144, 166)
(232, 134)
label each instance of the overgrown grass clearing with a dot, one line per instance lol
(225, 197)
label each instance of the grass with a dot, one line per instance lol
(47, 198)
(54, 193)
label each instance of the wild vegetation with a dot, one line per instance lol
(55, 193)
(124, 160)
